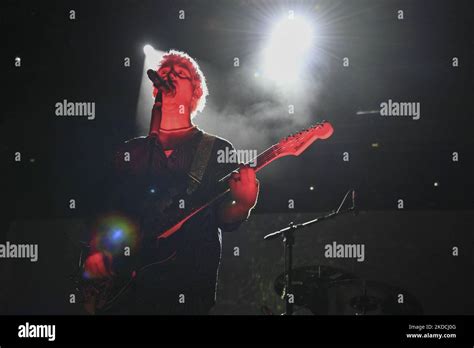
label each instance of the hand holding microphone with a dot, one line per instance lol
(158, 82)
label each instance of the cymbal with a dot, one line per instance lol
(309, 285)
(366, 297)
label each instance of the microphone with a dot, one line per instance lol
(353, 203)
(158, 82)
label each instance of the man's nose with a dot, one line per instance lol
(171, 77)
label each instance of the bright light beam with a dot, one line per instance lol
(148, 49)
(287, 50)
(145, 98)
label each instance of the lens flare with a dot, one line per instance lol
(113, 232)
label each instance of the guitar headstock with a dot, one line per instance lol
(295, 144)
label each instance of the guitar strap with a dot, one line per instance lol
(200, 162)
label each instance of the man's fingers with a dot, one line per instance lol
(99, 265)
(95, 268)
(251, 175)
(235, 176)
(232, 183)
(90, 267)
(244, 172)
(248, 174)
(94, 272)
(101, 268)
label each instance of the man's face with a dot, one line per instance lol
(180, 77)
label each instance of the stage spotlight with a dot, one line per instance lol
(151, 60)
(288, 49)
(148, 49)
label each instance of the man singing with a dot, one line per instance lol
(186, 283)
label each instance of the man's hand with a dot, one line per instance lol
(244, 187)
(98, 265)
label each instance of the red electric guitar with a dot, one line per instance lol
(101, 294)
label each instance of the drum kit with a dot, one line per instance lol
(326, 290)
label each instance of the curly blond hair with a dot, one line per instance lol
(198, 80)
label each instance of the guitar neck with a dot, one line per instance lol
(262, 160)
(222, 187)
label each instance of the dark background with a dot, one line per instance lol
(409, 60)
